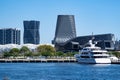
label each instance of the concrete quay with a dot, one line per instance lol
(44, 61)
(36, 60)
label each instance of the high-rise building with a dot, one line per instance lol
(65, 29)
(31, 32)
(9, 36)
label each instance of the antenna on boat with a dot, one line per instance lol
(95, 42)
(93, 36)
(93, 39)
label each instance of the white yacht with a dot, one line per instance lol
(93, 55)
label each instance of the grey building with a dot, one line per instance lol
(65, 30)
(31, 32)
(9, 36)
(105, 41)
(117, 45)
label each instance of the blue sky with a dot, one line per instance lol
(97, 16)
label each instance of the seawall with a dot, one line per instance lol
(35, 60)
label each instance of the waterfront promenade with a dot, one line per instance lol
(37, 60)
(46, 60)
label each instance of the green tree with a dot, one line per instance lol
(6, 54)
(46, 50)
(24, 49)
(115, 53)
(71, 54)
(29, 54)
(46, 54)
(14, 52)
(36, 54)
(59, 53)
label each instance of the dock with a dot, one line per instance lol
(36, 60)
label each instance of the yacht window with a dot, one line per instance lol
(99, 56)
(93, 49)
(85, 57)
(84, 53)
(84, 49)
(97, 53)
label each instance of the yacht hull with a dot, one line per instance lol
(94, 61)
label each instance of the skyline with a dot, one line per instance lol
(97, 16)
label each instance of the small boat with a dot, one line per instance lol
(93, 55)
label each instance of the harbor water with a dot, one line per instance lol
(59, 71)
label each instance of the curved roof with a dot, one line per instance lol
(8, 47)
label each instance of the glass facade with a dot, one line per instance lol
(31, 32)
(9, 36)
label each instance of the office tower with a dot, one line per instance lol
(9, 36)
(65, 29)
(31, 32)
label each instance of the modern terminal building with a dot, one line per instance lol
(9, 36)
(65, 36)
(31, 32)
(105, 41)
(65, 30)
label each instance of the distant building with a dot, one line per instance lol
(31, 32)
(117, 45)
(9, 36)
(105, 41)
(65, 30)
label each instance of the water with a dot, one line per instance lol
(59, 71)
